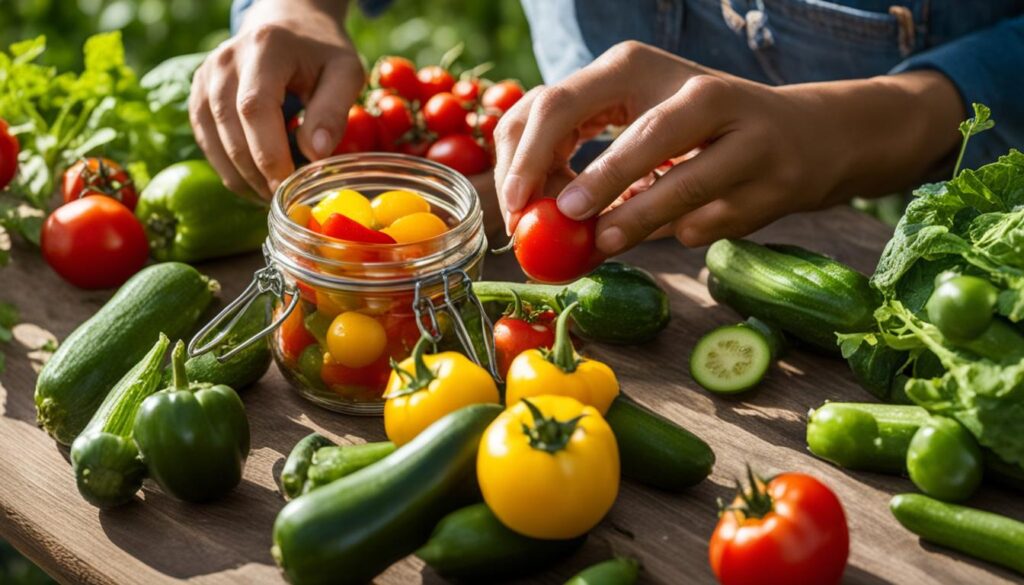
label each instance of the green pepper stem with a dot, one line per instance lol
(548, 433)
(535, 294)
(180, 375)
(562, 353)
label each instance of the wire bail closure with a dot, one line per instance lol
(266, 279)
(425, 308)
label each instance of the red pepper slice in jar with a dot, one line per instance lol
(341, 227)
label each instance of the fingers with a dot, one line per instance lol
(695, 114)
(327, 110)
(506, 138)
(205, 130)
(749, 208)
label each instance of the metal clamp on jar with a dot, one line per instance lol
(405, 290)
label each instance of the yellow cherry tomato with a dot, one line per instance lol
(561, 371)
(347, 202)
(356, 340)
(391, 205)
(300, 213)
(333, 304)
(416, 227)
(425, 388)
(548, 467)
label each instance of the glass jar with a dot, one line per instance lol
(402, 291)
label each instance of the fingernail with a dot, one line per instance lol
(322, 142)
(513, 193)
(575, 202)
(611, 240)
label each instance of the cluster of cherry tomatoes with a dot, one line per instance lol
(428, 113)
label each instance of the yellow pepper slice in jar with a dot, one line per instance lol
(356, 340)
(391, 205)
(347, 202)
(416, 227)
(300, 213)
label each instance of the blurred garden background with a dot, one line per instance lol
(154, 30)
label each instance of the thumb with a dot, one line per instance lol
(336, 90)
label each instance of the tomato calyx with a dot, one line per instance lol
(521, 311)
(754, 500)
(562, 352)
(413, 382)
(548, 433)
(102, 180)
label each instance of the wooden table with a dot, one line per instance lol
(159, 539)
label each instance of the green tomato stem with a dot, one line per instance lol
(548, 433)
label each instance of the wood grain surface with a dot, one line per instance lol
(158, 539)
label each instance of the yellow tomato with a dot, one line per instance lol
(546, 473)
(425, 388)
(356, 340)
(416, 227)
(333, 304)
(300, 214)
(347, 202)
(391, 205)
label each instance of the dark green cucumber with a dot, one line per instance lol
(166, 297)
(332, 463)
(809, 296)
(245, 367)
(296, 466)
(617, 571)
(775, 337)
(352, 529)
(654, 450)
(866, 437)
(978, 533)
(472, 544)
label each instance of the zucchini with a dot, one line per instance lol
(352, 529)
(978, 533)
(616, 571)
(166, 297)
(807, 295)
(775, 337)
(472, 544)
(332, 463)
(866, 437)
(296, 467)
(654, 450)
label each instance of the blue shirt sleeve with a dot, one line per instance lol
(986, 67)
(369, 7)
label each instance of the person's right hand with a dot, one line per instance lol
(296, 46)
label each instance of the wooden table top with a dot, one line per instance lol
(158, 539)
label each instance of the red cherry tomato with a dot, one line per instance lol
(445, 115)
(9, 149)
(292, 335)
(394, 121)
(434, 80)
(521, 329)
(373, 96)
(360, 132)
(483, 125)
(341, 227)
(365, 383)
(94, 242)
(293, 123)
(399, 74)
(98, 176)
(551, 247)
(460, 152)
(502, 95)
(414, 147)
(790, 531)
(467, 90)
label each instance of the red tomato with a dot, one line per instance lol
(365, 383)
(292, 336)
(791, 531)
(293, 123)
(373, 97)
(502, 95)
(341, 227)
(9, 149)
(551, 247)
(521, 329)
(445, 115)
(360, 132)
(415, 147)
(394, 121)
(460, 152)
(467, 90)
(398, 74)
(98, 176)
(434, 80)
(483, 125)
(94, 242)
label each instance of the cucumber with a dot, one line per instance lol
(472, 544)
(807, 295)
(352, 529)
(296, 467)
(166, 297)
(244, 368)
(865, 437)
(654, 450)
(776, 337)
(978, 533)
(730, 359)
(616, 571)
(332, 463)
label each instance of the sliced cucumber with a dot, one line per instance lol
(730, 359)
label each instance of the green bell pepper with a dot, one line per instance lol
(194, 438)
(189, 215)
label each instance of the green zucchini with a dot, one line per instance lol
(809, 296)
(616, 571)
(978, 533)
(166, 297)
(331, 463)
(352, 529)
(244, 368)
(866, 437)
(472, 544)
(296, 466)
(654, 450)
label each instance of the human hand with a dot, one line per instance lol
(235, 107)
(761, 151)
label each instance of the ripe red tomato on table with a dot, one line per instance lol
(521, 329)
(360, 132)
(502, 95)
(790, 530)
(393, 121)
(94, 242)
(467, 90)
(445, 115)
(9, 149)
(434, 79)
(551, 247)
(398, 74)
(460, 152)
(98, 176)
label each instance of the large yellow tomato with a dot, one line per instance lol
(391, 205)
(356, 340)
(347, 202)
(548, 467)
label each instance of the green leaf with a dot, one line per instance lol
(8, 315)
(979, 123)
